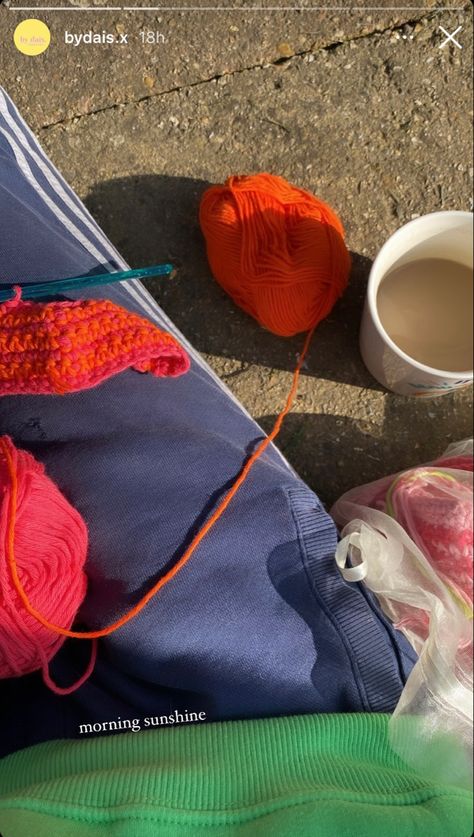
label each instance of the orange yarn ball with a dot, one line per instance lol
(277, 250)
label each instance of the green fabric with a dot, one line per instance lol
(300, 776)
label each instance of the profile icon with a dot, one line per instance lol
(32, 37)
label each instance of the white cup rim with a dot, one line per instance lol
(372, 298)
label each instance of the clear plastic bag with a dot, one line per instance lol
(408, 538)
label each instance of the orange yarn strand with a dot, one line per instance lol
(134, 611)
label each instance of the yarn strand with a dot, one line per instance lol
(167, 577)
(68, 690)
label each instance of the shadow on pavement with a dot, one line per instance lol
(334, 453)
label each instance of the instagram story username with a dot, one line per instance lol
(137, 724)
(104, 38)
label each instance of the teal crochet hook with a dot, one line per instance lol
(59, 286)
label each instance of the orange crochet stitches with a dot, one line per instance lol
(61, 347)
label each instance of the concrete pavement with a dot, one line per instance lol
(363, 108)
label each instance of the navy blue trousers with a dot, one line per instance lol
(259, 622)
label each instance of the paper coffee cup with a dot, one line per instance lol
(442, 235)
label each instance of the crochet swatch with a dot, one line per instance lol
(61, 347)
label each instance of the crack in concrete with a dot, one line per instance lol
(332, 47)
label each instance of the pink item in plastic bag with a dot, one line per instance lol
(408, 538)
(435, 507)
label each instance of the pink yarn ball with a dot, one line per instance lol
(50, 553)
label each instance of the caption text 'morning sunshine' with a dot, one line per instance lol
(135, 724)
